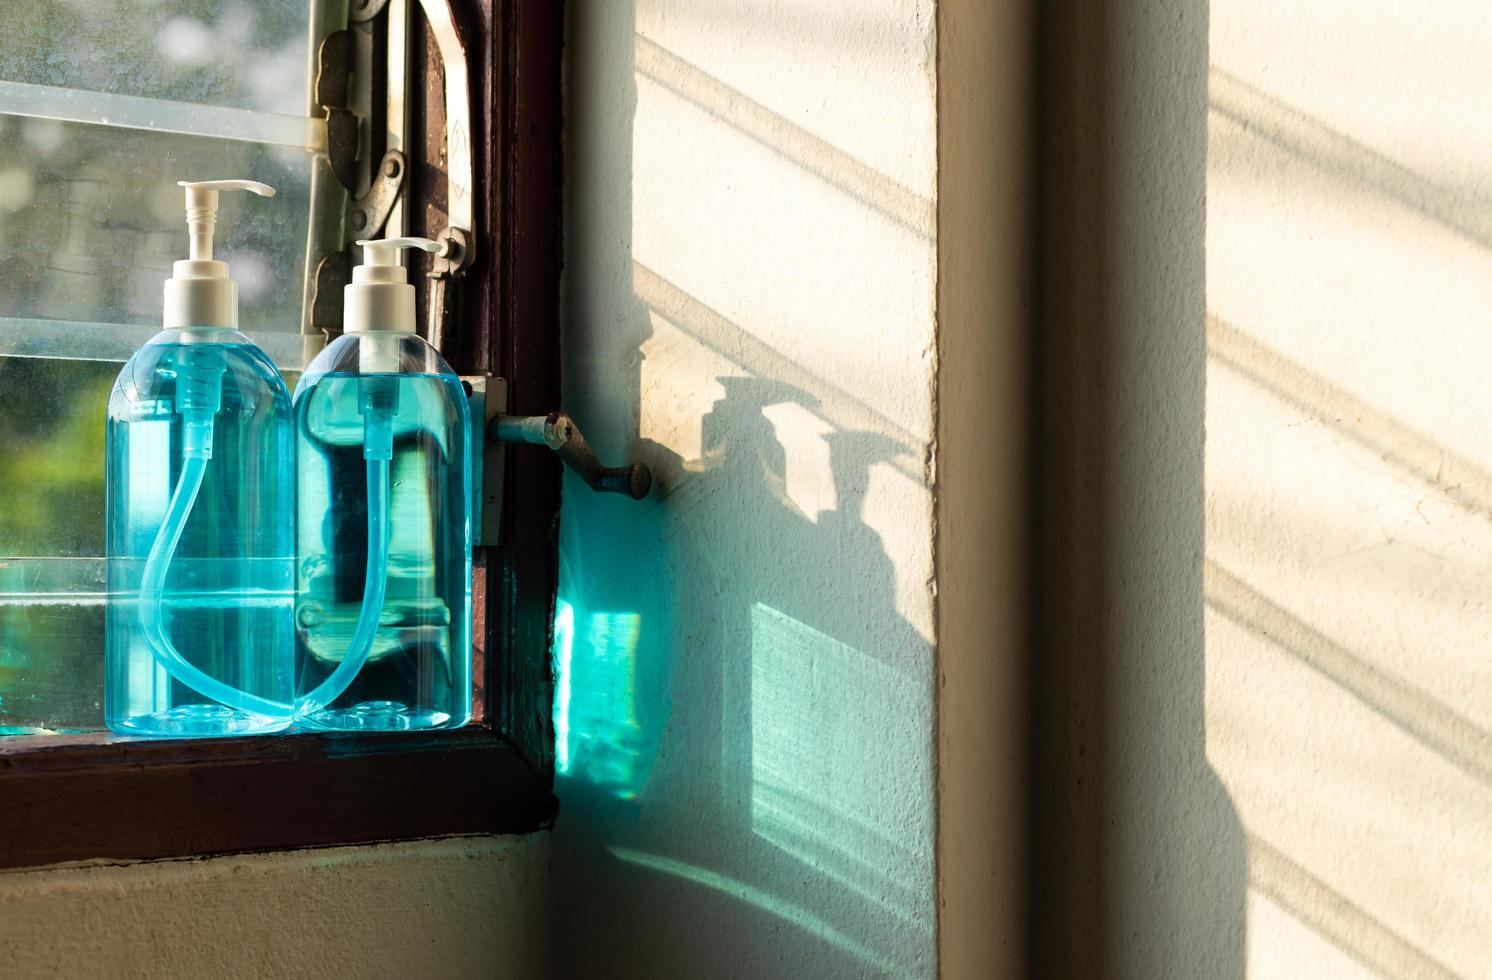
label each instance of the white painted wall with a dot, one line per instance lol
(1349, 478)
(461, 907)
(1266, 699)
(1140, 860)
(746, 684)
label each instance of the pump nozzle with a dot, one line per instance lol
(199, 292)
(380, 298)
(202, 210)
(385, 251)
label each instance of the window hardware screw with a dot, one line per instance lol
(391, 169)
(359, 218)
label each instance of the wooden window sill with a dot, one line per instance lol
(80, 797)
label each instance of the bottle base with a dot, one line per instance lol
(199, 721)
(377, 716)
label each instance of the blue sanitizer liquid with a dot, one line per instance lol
(200, 540)
(417, 672)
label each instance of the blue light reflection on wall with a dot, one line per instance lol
(597, 734)
(738, 675)
(741, 705)
(564, 650)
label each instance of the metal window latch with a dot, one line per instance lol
(493, 430)
(342, 56)
(337, 62)
(560, 433)
(460, 170)
(458, 237)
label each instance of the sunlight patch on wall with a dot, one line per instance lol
(1349, 275)
(808, 482)
(834, 766)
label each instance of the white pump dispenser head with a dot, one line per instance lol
(199, 292)
(380, 297)
(378, 305)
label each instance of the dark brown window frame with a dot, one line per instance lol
(78, 797)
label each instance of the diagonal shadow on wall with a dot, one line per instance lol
(740, 706)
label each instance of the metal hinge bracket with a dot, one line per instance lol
(334, 64)
(365, 219)
(488, 398)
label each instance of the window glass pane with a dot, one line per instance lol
(91, 220)
(247, 54)
(51, 643)
(51, 607)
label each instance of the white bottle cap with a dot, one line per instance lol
(380, 297)
(199, 292)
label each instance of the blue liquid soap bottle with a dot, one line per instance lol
(383, 611)
(200, 514)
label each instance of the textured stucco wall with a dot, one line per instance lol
(746, 666)
(461, 907)
(1349, 478)
(1264, 698)
(1139, 859)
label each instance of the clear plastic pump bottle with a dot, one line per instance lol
(383, 610)
(200, 539)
